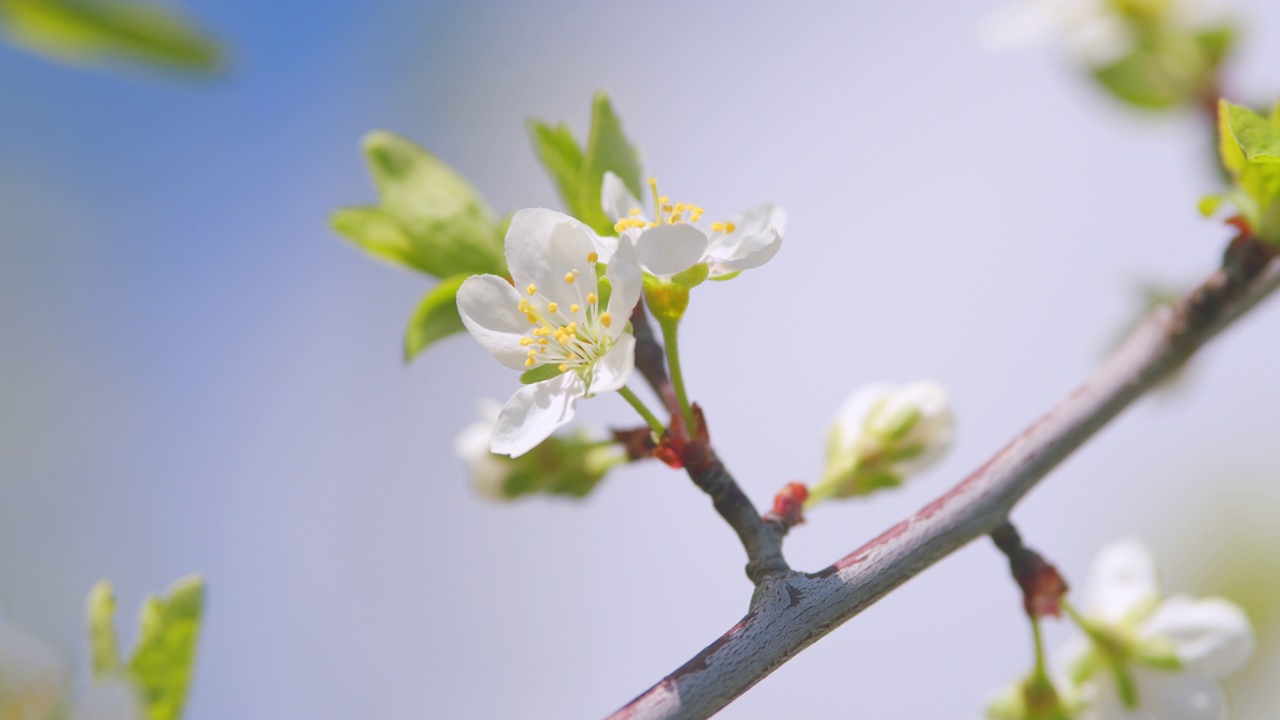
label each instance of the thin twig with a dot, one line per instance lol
(788, 613)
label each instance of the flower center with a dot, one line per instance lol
(572, 337)
(666, 213)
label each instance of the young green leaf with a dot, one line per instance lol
(562, 159)
(430, 219)
(1257, 137)
(436, 317)
(102, 630)
(165, 656)
(1141, 78)
(607, 151)
(92, 30)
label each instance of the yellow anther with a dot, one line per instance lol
(530, 362)
(571, 328)
(569, 276)
(593, 258)
(574, 309)
(666, 207)
(563, 367)
(619, 226)
(664, 199)
(606, 319)
(678, 217)
(526, 341)
(542, 341)
(591, 298)
(680, 207)
(552, 307)
(633, 212)
(531, 289)
(717, 226)
(651, 224)
(729, 227)
(531, 318)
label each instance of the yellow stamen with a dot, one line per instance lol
(526, 341)
(530, 362)
(619, 226)
(552, 307)
(542, 341)
(568, 277)
(531, 289)
(564, 367)
(593, 258)
(606, 319)
(574, 309)
(531, 318)
(717, 227)
(653, 191)
(633, 212)
(591, 298)
(729, 227)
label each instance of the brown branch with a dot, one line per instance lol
(691, 449)
(789, 612)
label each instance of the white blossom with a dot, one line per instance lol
(553, 318)
(672, 241)
(1147, 658)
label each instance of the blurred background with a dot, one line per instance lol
(197, 375)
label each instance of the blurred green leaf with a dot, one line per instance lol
(1250, 150)
(430, 219)
(165, 657)
(562, 158)
(1141, 79)
(1257, 137)
(102, 630)
(579, 174)
(91, 30)
(436, 317)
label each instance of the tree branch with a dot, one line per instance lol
(790, 612)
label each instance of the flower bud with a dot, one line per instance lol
(882, 435)
(560, 465)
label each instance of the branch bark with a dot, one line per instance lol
(791, 611)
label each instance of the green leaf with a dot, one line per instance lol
(430, 219)
(436, 317)
(562, 159)
(102, 630)
(607, 151)
(1216, 43)
(1141, 79)
(91, 30)
(1209, 204)
(166, 652)
(579, 174)
(1228, 149)
(1257, 137)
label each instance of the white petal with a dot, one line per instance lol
(616, 198)
(1179, 695)
(756, 238)
(851, 420)
(1123, 576)
(611, 371)
(542, 245)
(625, 279)
(1212, 636)
(534, 412)
(668, 249)
(109, 700)
(487, 304)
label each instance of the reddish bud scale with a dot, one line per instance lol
(1041, 583)
(788, 505)
(637, 442)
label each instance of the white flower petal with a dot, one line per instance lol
(32, 676)
(1212, 636)
(750, 235)
(668, 249)
(1179, 696)
(109, 700)
(616, 199)
(611, 371)
(625, 280)
(487, 304)
(851, 420)
(534, 412)
(542, 246)
(752, 252)
(1123, 576)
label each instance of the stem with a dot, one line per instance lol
(1039, 670)
(669, 337)
(654, 423)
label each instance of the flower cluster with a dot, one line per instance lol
(1139, 656)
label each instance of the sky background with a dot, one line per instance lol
(197, 375)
